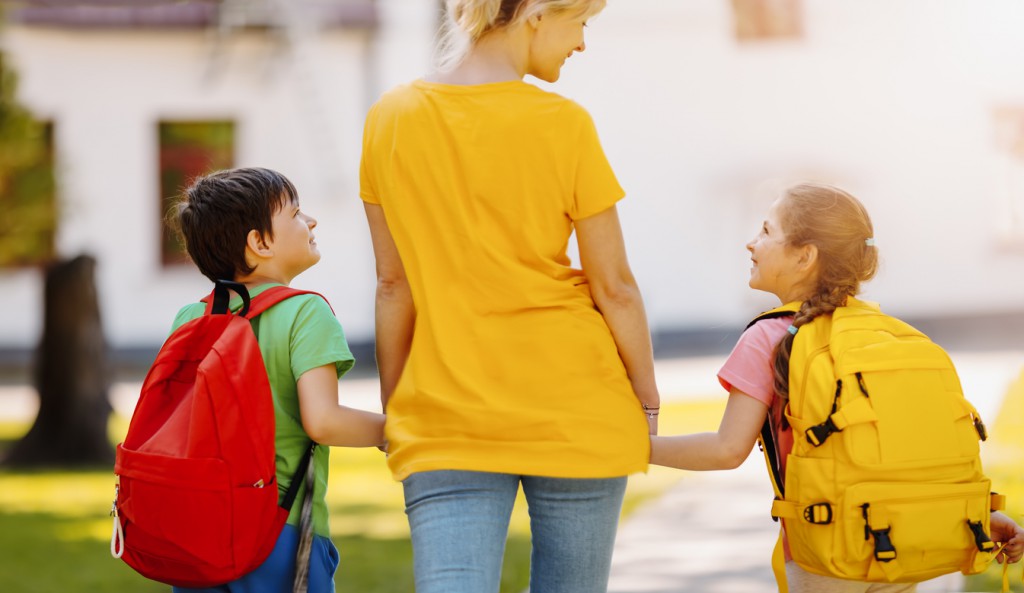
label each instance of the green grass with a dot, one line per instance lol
(55, 528)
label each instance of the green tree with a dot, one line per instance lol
(27, 184)
(71, 372)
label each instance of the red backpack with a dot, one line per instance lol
(196, 490)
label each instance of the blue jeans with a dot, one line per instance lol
(459, 523)
(277, 572)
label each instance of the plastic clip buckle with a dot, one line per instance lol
(884, 550)
(981, 539)
(817, 435)
(818, 513)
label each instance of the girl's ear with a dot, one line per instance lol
(808, 259)
(254, 242)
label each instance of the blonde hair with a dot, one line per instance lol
(838, 225)
(467, 21)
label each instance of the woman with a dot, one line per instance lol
(500, 364)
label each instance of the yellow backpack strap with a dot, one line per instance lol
(779, 565)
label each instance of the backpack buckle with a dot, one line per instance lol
(819, 513)
(981, 539)
(980, 427)
(818, 434)
(884, 550)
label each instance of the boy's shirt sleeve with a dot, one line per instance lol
(318, 339)
(186, 314)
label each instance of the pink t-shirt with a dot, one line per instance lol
(749, 369)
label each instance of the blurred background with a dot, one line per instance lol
(706, 109)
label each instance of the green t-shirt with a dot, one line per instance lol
(296, 335)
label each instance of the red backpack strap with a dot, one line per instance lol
(274, 295)
(258, 304)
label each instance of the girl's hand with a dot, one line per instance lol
(652, 424)
(1005, 530)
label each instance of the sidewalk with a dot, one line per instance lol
(711, 533)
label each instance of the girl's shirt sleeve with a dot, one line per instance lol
(749, 366)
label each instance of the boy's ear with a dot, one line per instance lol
(254, 242)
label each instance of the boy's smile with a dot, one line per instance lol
(293, 244)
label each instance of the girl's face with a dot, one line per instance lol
(778, 268)
(557, 35)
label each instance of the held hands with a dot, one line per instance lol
(1006, 531)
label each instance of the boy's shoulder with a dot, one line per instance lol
(310, 306)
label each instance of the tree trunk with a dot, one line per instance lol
(71, 375)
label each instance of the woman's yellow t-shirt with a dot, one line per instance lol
(512, 367)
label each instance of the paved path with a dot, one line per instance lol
(711, 533)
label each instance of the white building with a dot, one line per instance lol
(705, 108)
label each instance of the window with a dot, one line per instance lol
(27, 193)
(188, 150)
(1009, 140)
(759, 20)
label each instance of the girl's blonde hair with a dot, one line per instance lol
(838, 225)
(467, 21)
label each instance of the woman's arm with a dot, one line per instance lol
(395, 313)
(329, 423)
(617, 296)
(726, 449)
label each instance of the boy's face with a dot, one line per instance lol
(294, 246)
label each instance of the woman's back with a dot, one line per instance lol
(512, 368)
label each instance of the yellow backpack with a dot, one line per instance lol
(884, 483)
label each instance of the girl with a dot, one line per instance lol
(815, 246)
(502, 366)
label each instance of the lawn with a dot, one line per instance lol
(55, 529)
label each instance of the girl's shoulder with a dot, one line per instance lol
(767, 331)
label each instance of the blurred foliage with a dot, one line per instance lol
(27, 184)
(1002, 455)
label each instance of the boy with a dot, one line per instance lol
(246, 225)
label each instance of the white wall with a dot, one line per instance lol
(891, 99)
(106, 91)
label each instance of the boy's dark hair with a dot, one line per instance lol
(216, 213)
